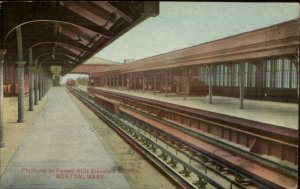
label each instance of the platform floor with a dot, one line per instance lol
(60, 151)
(276, 113)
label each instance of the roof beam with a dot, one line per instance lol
(67, 56)
(54, 61)
(114, 9)
(61, 63)
(89, 10)
(57, 57)
(58, 42)
(43, 13)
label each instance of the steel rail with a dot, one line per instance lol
(163, 166)
(206, 121)
(179, 160)
(268, 162)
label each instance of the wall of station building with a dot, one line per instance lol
(267, 79)
(10, 81)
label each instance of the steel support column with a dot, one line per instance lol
(109, 81)
(122, 78)
(242, 76)
(2, 53)
(46, 85)
(117, 80)
(40, 84)
(113, 81)
(185, 84)
(31, 80)
(134, 83)
(143, 83)
(20, 71)
(36, 87)
(44, 89)
(21, 63)
(154, 83)
(166, 84)
(128, 81)
(210, 84)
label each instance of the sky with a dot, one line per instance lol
(184, 24)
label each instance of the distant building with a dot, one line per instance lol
(96, 60)
(127, 61)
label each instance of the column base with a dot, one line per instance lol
(20, 121)
(30, 109)
(35, 104)
(2, 145)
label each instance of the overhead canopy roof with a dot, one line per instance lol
(273, 41)
(67, 33)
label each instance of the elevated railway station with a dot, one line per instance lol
(222, 114)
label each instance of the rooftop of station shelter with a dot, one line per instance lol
(275, 113)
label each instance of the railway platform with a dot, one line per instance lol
(275, 113)
(61, 150)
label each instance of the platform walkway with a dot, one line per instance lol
(276, 113)
(60, 151)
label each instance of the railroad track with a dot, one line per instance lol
(291, 170)
(187, 166)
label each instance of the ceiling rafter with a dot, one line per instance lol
(67, 56)
(90, 11)
(55, 27)
(114, 9)
(59, 14)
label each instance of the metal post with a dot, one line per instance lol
(242, 72)
(44, 87)
(166, 84)
(122, 80)
(210, 84)
(143, 83)
(128, 81)
(154, 83)
(109, 81)
(171, 80)
(2, 53)
(117, 81)
(113, 81)
(185, 84)
(40, 85)
(20, 70)
(134, 84)
(36, 78)
(31, 78)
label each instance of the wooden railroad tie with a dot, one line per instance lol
(242, 180)
(223, 169)
(172, 162)
(201, 183)
(185, 172)
(206, 160)
(152, 148)
(135, 135)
